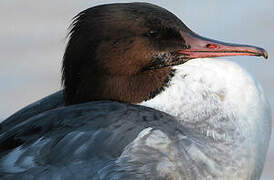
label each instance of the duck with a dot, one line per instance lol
(143, 98)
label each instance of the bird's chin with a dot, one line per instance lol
(166, 59)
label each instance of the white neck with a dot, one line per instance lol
(225, 109)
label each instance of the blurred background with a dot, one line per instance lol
(33, 38)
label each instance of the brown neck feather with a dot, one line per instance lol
(129, 89)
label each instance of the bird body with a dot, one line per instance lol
(218, 100)
(135, 105)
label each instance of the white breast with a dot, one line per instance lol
(218, 99)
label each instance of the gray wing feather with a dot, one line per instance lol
(96, 140)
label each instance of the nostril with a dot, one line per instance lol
(211, 46)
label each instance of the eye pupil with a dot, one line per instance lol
(153, 33)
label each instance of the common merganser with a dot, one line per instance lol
(205, 118)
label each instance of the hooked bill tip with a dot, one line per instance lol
(262, 52)
(265, 55)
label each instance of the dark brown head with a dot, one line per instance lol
(125, 52)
